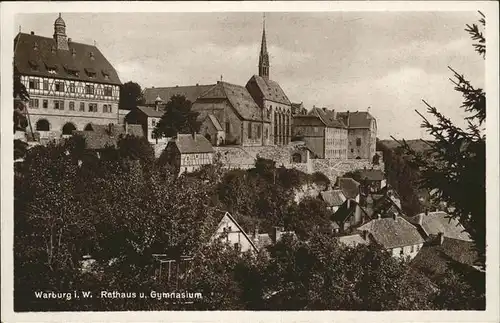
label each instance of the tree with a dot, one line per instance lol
(454, 167)
(178, 118)
(130, 96)
(21, 96)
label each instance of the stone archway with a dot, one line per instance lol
(68, 128)
(42, 125)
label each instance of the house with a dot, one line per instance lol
(383, 205)
(230, 107)
(98, 137)
(333, 199)
(348, 216)
(323, 132)
(148, 118)
(373, 180)
(350, 188)
(353, 240)
(396, 235)
(189, 152)
(362, 133)
(70, 84)
(439, 225)
(212, 129)
(231, 232)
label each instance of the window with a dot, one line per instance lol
(92, 107)
(46, 85)
(59, 86)
(89, 89)
(108, 91)
(228, 127)
(72, 87)
(249, 130)
(352, 150)
(153, 122)
(104, 108)
(401, 251)
(45, 104)
(51, 70)
(82, 106)
(34, 84)
(57, 105)
(259, 131)
(412, 249)
(110, 108)
(34, 103)
(358, 142)
(72, 106)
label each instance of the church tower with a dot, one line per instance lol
(60, 34)
(264, 55)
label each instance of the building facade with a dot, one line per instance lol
(70, 84)
(189, 152)
(148, 118)
(271, 98)
(230, 232)
(362, 134)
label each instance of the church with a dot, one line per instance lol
(257, 114)
(71, 85)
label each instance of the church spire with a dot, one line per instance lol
(264, 55)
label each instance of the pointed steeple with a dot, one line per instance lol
(264, 55)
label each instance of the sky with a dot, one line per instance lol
(387, 61)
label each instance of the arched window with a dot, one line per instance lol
(68, 128)
(88, 127)
(42, 125)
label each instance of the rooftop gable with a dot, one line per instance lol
(190, 92)
(358, 119)
(192, 144)
(269, 90)
(393, 233)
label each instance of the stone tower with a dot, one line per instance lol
(60, 34)
(264, 55)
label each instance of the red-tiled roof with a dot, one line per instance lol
(436, 222)
(191, 92)
(392, 233)
(356, 119)
(189, 144)
(238, 97)
(269, 90)
(349, 186)
(31, 61)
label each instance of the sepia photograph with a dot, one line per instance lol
(265, 160)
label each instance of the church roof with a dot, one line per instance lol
(34, 55)
(191, 92)
(239, 98)
(269, 90)
(358, 119)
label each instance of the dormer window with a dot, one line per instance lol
(73, 52)
(105, 73)
(35, 46)
(91, 55)
(51, 68)
(33, 65)
(90, 72)
(72, 70)
(53, 50)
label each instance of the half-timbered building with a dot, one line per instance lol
(70, 84)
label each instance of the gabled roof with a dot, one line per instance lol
(307, 120)
(358, 119)
(191, 92)
(333, 197)
(372, 174)
(392, 233)
(263, 240)
(344, 212)
(239, 98)
(34, 55)
(229, 217)
(349, 186)
(328, 117)
(269, 90)
(101, 137)
(435, 222)
(352, 240)
(151, 112)
(189, 144)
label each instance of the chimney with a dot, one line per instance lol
(126, 128)
(256, 234)
(197, 84)
(348, 203)
(194, 135)
(32, 33)
(347, 122)
(420, 218)
(395, 216)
